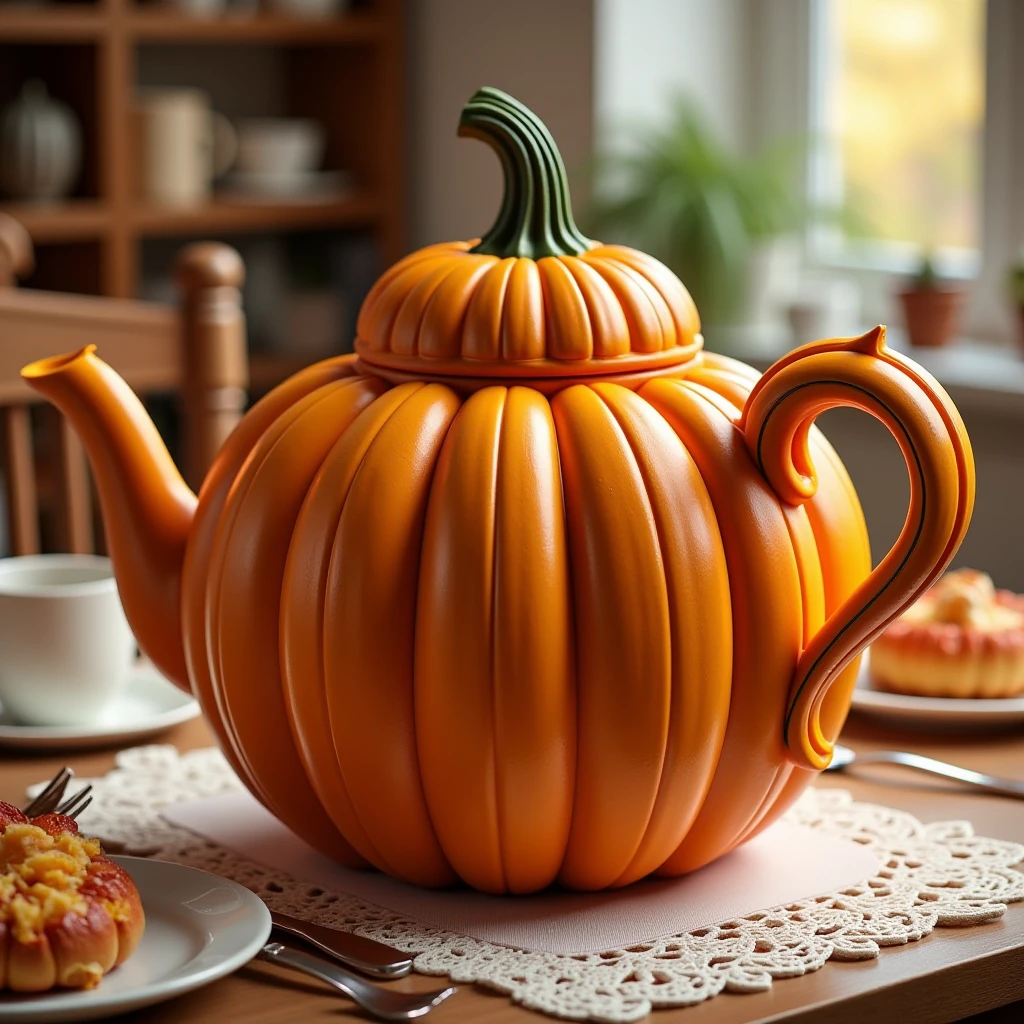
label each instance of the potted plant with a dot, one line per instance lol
(680, 195)
(930, 307)
(1016, 282)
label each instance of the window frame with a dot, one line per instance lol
(787, 106)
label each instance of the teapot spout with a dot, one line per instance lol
(147, 507)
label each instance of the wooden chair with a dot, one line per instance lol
(197, 351)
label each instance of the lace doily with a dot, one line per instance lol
(938, 875)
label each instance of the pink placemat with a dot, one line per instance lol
(784, 864)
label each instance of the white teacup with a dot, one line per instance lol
(279, 145)
(65, 646)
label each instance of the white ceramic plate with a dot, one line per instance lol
(198, 928)
(148, 704)
(947, 714)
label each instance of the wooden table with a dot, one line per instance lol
(948, 976)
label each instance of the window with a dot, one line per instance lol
(897, 112)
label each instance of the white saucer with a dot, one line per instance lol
(946, 714)
(148, 704)
(198, 928)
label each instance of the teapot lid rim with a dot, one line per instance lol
(545, 374)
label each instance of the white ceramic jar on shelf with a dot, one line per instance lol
(40, 146)
(185, 145)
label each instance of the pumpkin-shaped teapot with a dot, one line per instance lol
(530, 589)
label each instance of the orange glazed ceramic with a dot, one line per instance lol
(530, 589)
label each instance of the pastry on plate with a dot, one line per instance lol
(963, 638)
(68, 914)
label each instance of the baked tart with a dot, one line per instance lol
(68, 914)
(963, 638)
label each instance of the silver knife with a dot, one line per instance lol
(361, 954)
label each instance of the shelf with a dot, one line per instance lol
(170, 27)
(58, 24)
(69, 220)
(66, 24)
(91, 56)
(238, 217)
(82, 219)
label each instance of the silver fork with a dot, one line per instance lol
(49, 800)
(382, 1003)
(75, 804)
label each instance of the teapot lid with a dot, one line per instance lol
(532, 298)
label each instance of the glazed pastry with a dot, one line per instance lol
(68, 914)
(963, 638)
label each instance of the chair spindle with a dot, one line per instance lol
(22, 498)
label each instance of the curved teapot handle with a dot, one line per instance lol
(776, 422)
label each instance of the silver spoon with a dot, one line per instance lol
(382, 1003)
(844, 757)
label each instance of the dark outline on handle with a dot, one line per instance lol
(913, 544)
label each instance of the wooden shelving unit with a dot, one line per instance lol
(70, 221)
(169, 27)
(78, 219)
(346, 71)
(231, 216)
(50, 24)
(84, 22)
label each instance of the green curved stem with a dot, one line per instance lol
(535, 219)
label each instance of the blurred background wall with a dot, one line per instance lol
(540, 52)
(648, 50)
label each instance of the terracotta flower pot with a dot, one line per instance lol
(930, 315)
